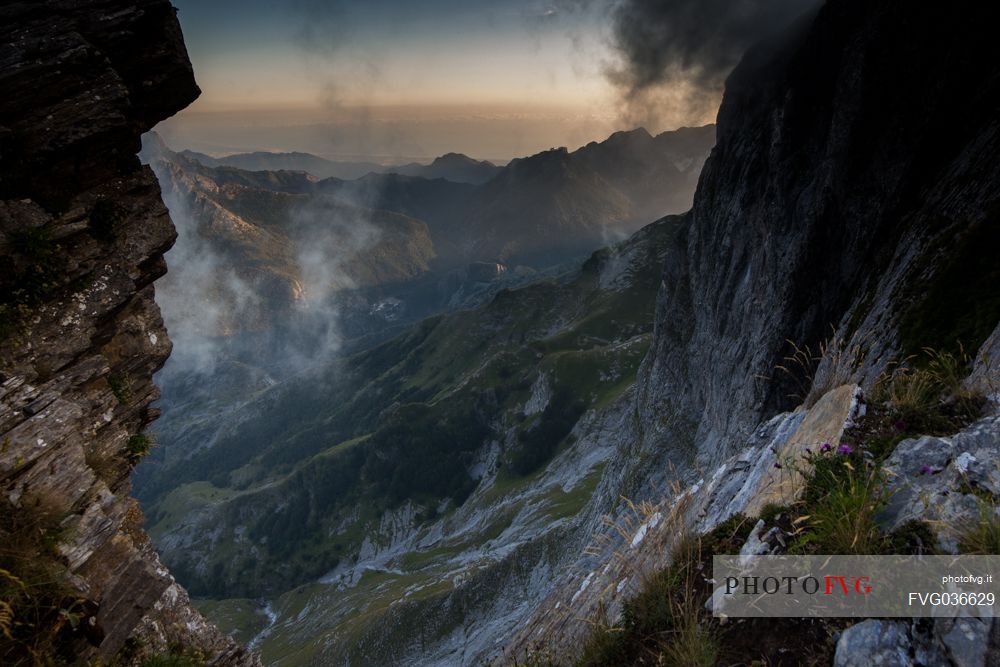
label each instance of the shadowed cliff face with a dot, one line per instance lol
(852, 162)
(853, 194)
(82, 235)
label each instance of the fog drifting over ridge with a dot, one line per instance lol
(218, 307)
(622, 63)
(673, 56)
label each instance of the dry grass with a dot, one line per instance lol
(982, 536)
(6, 610)
(929, 393)
(39, 613)
(665, 622)
(138, 447)
(813, 374)
(534, 658)
(693, 641)
(839, 510)
(663, 522)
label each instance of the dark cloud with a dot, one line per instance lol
(676, 54)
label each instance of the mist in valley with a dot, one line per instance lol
(383, 346)
(459, 333)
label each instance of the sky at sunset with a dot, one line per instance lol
(393, 79)
(400, 80)
(275, 54)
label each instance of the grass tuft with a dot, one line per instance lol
(121, 387)
(139, 445)
(928, 394)
(171, 660)
(982, 536)
(41, 617)
(843, 495)
(812, 374)
(666, 622)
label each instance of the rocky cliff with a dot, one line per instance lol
(848, 208)
(853, 171)
(82, 234)
(846, 219)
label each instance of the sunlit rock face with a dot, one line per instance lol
(82, 233)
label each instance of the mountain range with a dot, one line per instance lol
(421, 243)
(404, 504)
(393, 416)
(451, 166)
(414, 421)
(537, 210)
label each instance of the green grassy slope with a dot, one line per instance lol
(404, 424)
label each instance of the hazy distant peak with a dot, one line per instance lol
(687, 130)
(456, 167)
(638, 134)
(459, 157)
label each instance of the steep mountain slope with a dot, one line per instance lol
(410, 503)
(281, 256)
(281, 243)
(875, 183)
(82, 236)
(850, 206)
(412, 466)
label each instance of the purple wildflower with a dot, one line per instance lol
(845, 449)
(825, 447)
(927, 470)
(777, 465)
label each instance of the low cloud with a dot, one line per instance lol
(219, 305)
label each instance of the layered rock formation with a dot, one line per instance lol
(850, 207)
(855, 164)
(853, 187)
(82, 233)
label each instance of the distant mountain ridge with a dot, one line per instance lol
(259, 232)
(538, 211)
(570, 203)
(451, 166)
